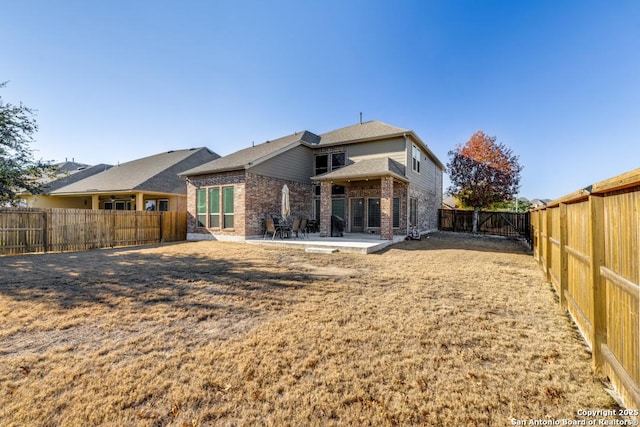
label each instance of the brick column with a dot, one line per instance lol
(386, 208)
(325, 209)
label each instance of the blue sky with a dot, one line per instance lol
(557, 81)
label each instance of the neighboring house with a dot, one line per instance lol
(379, 178)
(450, 203)
(539, 203)
(150, 183)
(67, 173)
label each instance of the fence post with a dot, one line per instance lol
(540, 254)
(45, 232)
(598, 289)
(564, 258)
(547, 237)
(161, 224)
(455, 220)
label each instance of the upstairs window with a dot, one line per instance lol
(337, 161)
(415, 154)
(322, 164)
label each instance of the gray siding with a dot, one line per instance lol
(430, 177)
(392, 148)
(294, 165)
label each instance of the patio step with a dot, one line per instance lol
(318, 250)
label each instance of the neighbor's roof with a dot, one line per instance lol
(72, 172)
(157, 173)
(368, 168)
(253, 155)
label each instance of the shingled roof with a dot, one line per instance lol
(361, 132)
(368, 168)
(157, 173)
(366, 131)
(253, 155)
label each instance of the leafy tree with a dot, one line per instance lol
(18, 169)
(483, 172)
(522, 205)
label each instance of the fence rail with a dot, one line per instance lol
(508, 224)
(587, 244)
(24, 230)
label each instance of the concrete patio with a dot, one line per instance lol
(359, 243)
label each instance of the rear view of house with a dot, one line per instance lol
(378, 178)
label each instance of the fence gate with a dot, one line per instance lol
(508, 224)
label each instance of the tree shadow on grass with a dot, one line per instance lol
(145, 278)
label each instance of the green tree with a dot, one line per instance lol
(483, 172)
(19, 171)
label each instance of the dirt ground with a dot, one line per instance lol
(450, 330)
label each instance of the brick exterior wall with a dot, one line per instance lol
(386, 208)
(264, 198)
(427, 217)
(368, 189)
(233, 178)
(255, 197)
(325, 209)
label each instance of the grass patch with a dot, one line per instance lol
(450, 329)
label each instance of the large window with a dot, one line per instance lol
(156, 205)
(415, 154)
(201, 207)
(216, 205)
(413, 212)
(227, 203)
(214, 208)
(337, 207)
(396, 212)
(373, 212)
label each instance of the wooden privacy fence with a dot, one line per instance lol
(508, 224)
(587, 244)
(25, 230)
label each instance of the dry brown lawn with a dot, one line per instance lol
(451, 330)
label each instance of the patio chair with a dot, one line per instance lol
(295, 228)
(271, 229)
(303, 228)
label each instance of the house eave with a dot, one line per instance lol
(359, 177)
